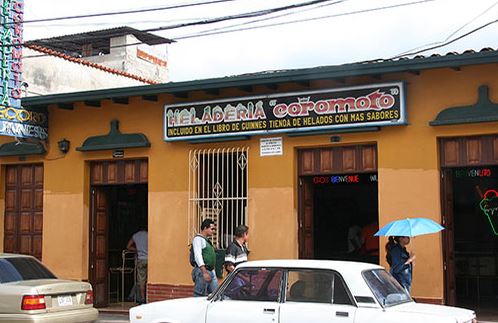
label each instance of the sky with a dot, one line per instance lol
(331, 34)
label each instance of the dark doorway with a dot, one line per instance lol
(345, 217)
(475, 236)
(119, 212)
(315, 169)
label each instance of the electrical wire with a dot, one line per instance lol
(108, 23)
(124, 12)
(238, 16)
(270, 25)
(202, 34)
(225, 18)
(274, 17)
(245, 23)
(448, 42)
(450, 35)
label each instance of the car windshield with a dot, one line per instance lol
(22, 268)
(385, 288)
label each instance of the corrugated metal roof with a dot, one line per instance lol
(100, 39)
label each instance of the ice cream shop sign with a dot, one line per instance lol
(360, 106)
(15, 120)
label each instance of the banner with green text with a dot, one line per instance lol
(327, 109)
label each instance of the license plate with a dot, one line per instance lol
(65, 300)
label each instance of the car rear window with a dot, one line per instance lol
(22, 268)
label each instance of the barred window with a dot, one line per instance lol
(218, 190)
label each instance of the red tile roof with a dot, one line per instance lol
(88, 63)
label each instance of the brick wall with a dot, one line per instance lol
(159, 292)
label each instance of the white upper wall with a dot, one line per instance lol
(47, 74)
(130, 55)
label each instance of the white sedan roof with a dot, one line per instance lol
(351, 271)
(340, 266)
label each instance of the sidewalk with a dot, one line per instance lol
(487, 315)
(113, 318)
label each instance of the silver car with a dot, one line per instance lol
(29, 292)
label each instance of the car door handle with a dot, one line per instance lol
(269, 311)
(342, 314)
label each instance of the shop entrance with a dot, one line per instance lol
(469, 182)
(118, 210)
(338, 203)
(475, 236)
(345, 215)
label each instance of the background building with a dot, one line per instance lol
(101, 59)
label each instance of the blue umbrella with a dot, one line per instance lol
(410, 227)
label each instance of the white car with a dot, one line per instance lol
(297, 291)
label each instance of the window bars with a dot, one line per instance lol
(218, 190)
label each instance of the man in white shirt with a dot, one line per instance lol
(139, 243)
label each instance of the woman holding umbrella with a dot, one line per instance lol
(400, 260)
(399, 233)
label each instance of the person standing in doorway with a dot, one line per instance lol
(204, 260)
(354, 242)
(370, 248)
(400, 260)
(237, 251)
(139, 243)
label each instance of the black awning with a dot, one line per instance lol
(21, 148)
(483, 111)
(114, 140)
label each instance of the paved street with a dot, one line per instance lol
(121, 318)
(113, 318)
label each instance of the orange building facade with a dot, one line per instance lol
(300, 185)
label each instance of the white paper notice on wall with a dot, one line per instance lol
(271, 146)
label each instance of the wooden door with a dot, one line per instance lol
(102, 175)
(98, 246)
(306, 228)
(448, 237)
(110, 172)
(468, 151)
(23, 226)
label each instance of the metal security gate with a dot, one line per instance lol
(218, 189)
